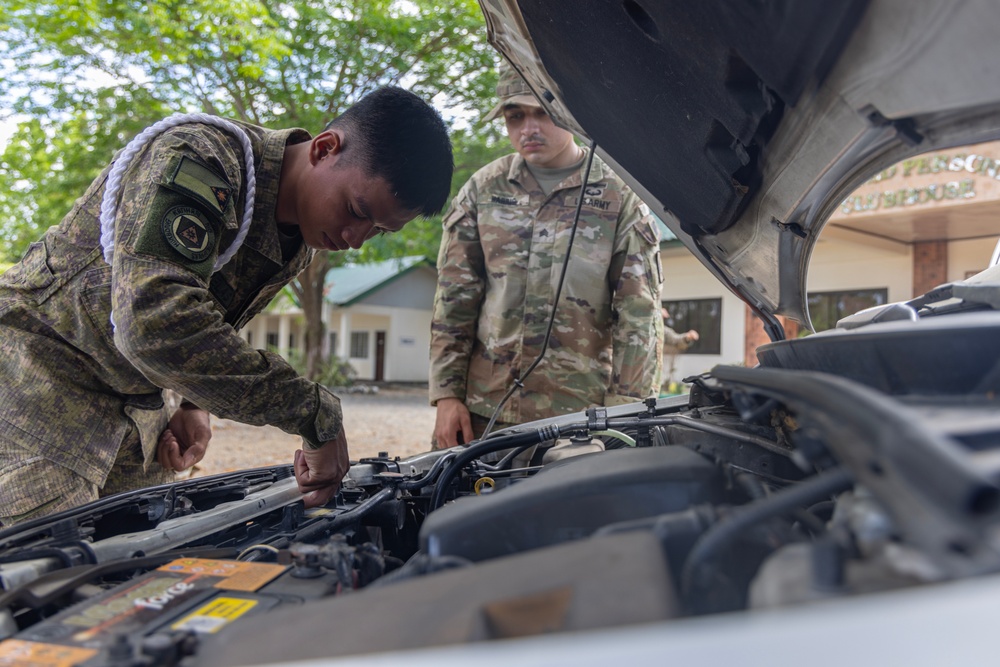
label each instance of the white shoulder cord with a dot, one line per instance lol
(109, 206)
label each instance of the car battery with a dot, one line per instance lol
(156, 618)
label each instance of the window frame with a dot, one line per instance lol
(882, 292)
(356, 341)
(709, 342)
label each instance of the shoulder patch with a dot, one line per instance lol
(648, 230)
(186, 231)
(196, 180)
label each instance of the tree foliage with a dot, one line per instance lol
(84, 76)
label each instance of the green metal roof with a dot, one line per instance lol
(666, 236)
(348, 284)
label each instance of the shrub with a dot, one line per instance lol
(332, 371)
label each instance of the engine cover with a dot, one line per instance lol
(572, 499)
(604, 582)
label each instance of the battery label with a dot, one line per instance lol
(20, 653)
(159, 596)
(214, 615)
(233, 575)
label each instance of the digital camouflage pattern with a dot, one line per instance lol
(33, 486)
(498, 268)
(72, 386)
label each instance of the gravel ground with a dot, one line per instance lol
(396, 420)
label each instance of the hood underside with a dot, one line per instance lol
(743, 125)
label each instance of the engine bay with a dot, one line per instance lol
(815, 476)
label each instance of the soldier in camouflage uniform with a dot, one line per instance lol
(505, 237)
(81, 398)
(673, 344)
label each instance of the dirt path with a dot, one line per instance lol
(395, 420)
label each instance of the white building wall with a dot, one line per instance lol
(409, 345)
(686, 278)
(968, 257)
(362, 320)
(845, 260)
(407, 340)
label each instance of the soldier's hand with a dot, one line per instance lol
(691, 336)
(185, 440)
(319, 471)
(452, 420)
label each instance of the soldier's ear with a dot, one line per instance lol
(326, 145)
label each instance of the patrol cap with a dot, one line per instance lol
(511, 89)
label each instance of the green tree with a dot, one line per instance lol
(87, 75)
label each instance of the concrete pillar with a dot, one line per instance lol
(325, 343)
(344, 335)
(260, 332)
(284, 328)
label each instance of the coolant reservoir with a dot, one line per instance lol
(569, 447)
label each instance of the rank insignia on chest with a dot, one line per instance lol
(187, 232)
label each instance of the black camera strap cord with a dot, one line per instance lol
(519, 382)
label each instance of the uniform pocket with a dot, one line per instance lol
(32, 276)
(35, 486)
(95, 295)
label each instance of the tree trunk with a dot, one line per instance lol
(308, 288)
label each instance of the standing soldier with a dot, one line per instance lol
(147, 281)
(673, 344)
(505, 238)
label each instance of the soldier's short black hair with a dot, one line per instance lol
(400, 137)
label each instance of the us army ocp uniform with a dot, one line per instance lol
(77, 392)
(498, 268)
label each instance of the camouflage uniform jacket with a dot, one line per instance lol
(674, 342)
(71, 385)
(498, 268)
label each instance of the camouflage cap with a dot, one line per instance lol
(511, 89)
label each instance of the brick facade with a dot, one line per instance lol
(756, 336)
(930, 265)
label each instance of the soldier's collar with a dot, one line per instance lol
(272, 155)
(519, 170)
(596, 169)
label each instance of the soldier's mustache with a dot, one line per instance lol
(533, 139)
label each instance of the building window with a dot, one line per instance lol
(333, 343)
(359, 345)
(272, 341)
(291, 341)
(825, 308)
(702, 315)
(249, 338)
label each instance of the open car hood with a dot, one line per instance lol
(744, 125)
